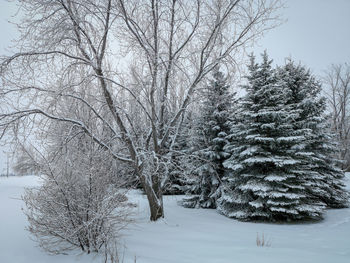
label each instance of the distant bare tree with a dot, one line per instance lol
(145, 58)
(337, 80)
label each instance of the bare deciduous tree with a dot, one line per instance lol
(337, 80)
(146, 58)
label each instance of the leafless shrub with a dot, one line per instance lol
(111, 254)
(80, 203)
(261, 241)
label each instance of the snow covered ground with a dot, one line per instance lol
(186, 235)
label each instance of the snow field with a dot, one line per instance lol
(185, 235)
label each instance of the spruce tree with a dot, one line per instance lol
(263, 181)
(317, 150)
(179, 181)
(209, 141)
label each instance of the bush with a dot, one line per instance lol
(80, 203)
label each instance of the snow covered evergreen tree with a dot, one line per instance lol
(180, 159)
(210, 132)
(264, 182)
(317, 150)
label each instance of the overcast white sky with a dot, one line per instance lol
(317, 33)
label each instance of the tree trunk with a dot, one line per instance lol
(154, 196)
